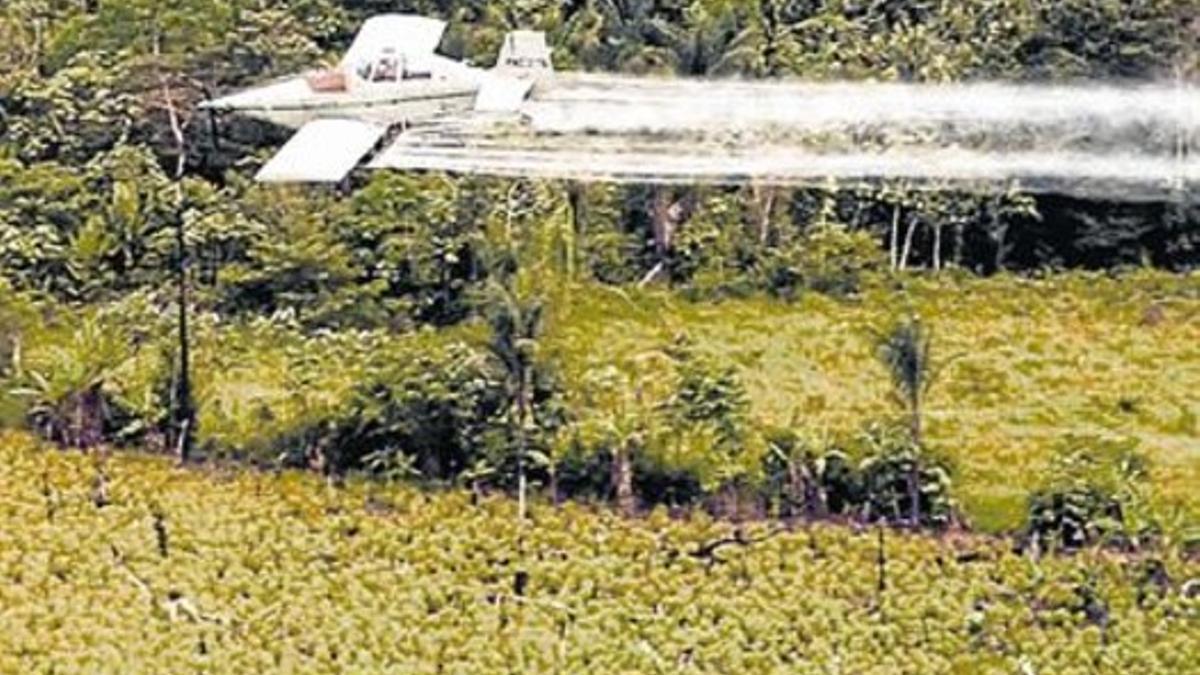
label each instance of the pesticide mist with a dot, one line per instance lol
(1128, 143)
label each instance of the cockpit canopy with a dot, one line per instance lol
(390, 66)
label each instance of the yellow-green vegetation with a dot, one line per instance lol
(129, 564)
(1022, 364)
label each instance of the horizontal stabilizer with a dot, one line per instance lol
(322, 151)
(499, 93)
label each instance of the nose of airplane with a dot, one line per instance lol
(219, 104)
(282, 93)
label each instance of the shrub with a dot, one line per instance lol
(800, 478)
(707, 394)
(702, 243)
(903, 483)
(904, 349)
(584, 471)
(424, 411)
(667, 427)
(831, 259)
(895, 481)
(17, 319)
(706, 427)
(612, 256)
(1095, 492)
(83, 387)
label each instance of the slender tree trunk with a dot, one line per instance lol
(908, 243)
(1001, 235)
(914, 495)
(894, 238)
(914, 474)
(16, 360)
(881, 561)
(795, 492)
(522, 505)
(937, 247)
(622, 476)
(577, 198)
(185, 415)
(763, 201)
(915, 421)
(522, 440)
(573, 228)
(663, 221)
(958, 244)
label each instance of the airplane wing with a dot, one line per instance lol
(406, 34)
(456, 132)
(322, 151)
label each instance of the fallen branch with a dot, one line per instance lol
(119, 560)
(709, 550)
(651, 275)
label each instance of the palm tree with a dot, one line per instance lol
(516, 325)
(905, 351)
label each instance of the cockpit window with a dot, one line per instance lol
(416, 72)
(387, 67)
(392, 67)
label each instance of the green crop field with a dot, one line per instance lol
(1023, 364)
(129, 564)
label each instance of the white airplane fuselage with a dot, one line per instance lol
(446, 87)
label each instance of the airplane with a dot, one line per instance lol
(389, 79)
(393, 103)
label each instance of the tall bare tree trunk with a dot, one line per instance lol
(881, 562)
(763, 205)
(663, 221)
(915, 421)
(959, 243)
(185, 414)
(523, 405)
(622, 476)
(914, 474)
(908, 243)
(1000, 235)
(937, 247)
(577, 198)
(894, 239)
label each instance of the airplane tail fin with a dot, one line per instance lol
(524, 60)
(525, 50)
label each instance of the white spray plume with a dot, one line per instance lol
(1135, 142)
